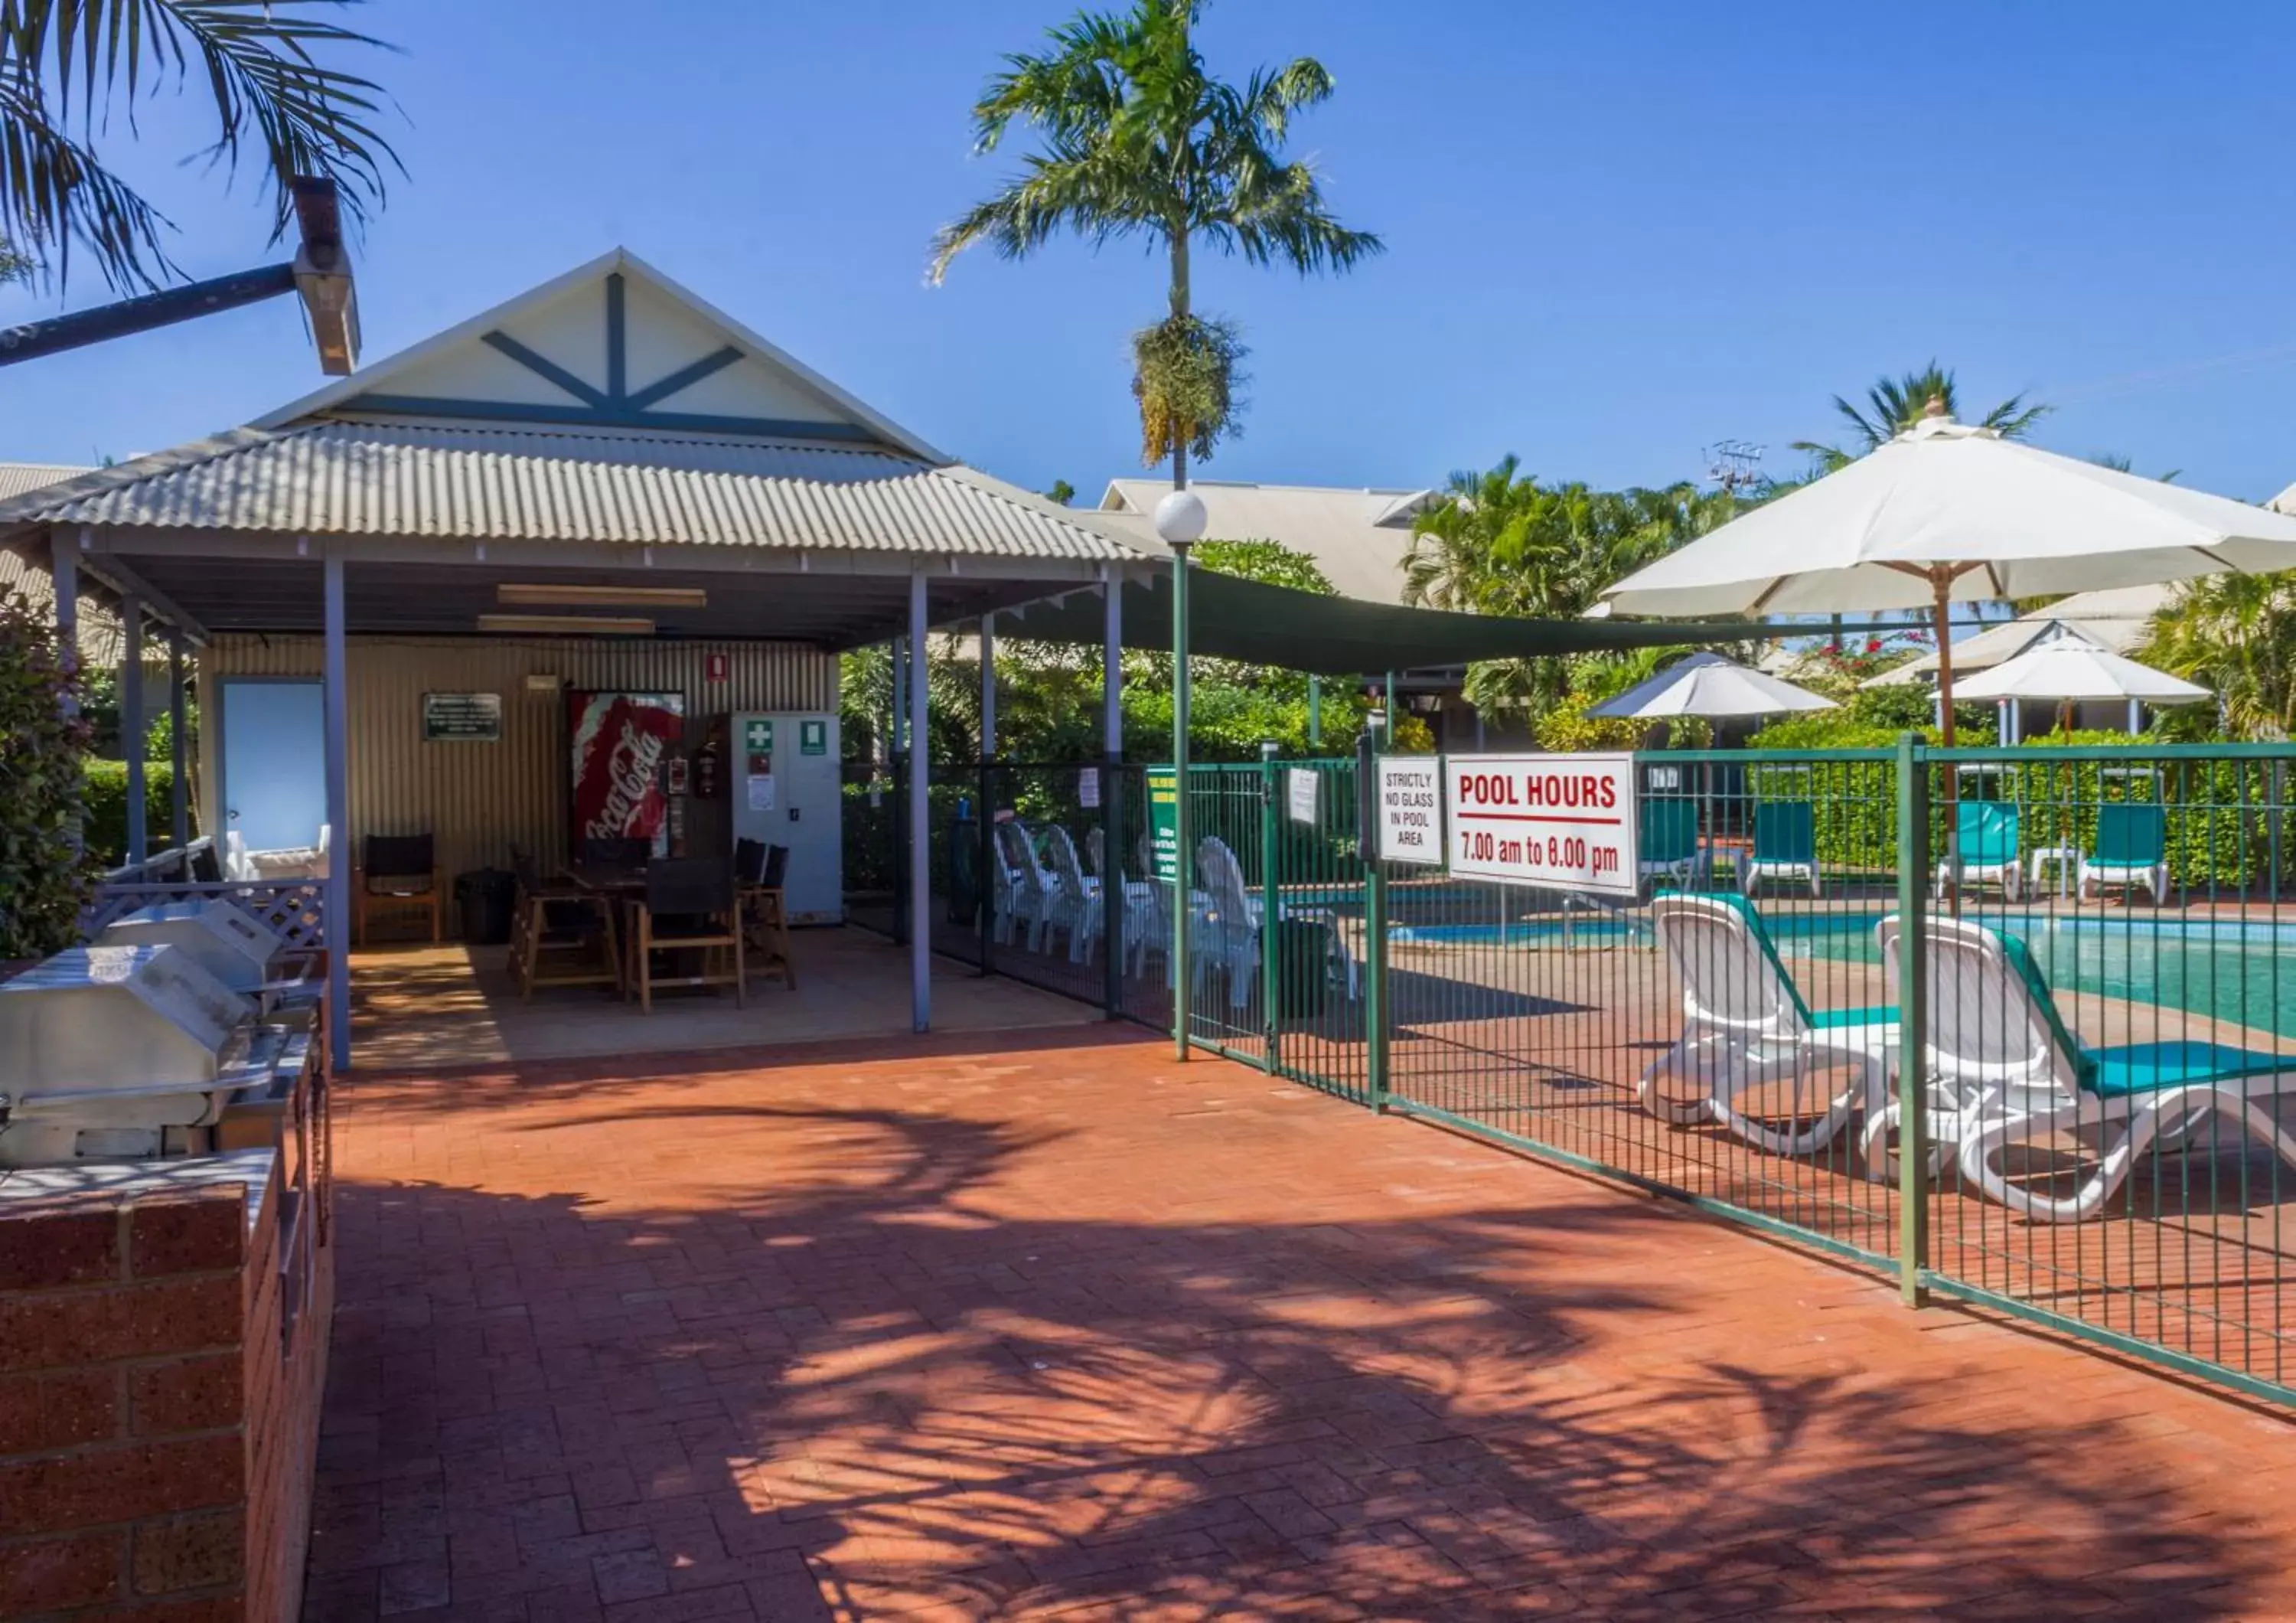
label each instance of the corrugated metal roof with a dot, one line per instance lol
(2116, 619)
(1357, 537)
(101, 641)
(535, 483)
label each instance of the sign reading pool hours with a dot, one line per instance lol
(1564, 822)
(1411, 809)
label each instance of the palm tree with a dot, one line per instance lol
(1502, 543)
(1139, 141)
(72, 71)
(1895, 404)
(2234, 634)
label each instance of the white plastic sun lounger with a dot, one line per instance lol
(1744, 1023)
(2004, 1071)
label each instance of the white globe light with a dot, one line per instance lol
(1181, 518)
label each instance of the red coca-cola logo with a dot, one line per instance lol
(620, 741)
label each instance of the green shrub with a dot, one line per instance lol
(105, 828)
(43, 881)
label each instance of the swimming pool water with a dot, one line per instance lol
(2229, 970)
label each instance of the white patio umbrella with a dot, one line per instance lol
(1710, 684)
(2066, 670)
(1946, 512)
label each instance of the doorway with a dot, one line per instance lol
(274, 790)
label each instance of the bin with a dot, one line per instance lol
(964, 867)
(485, 897)
(1303, 949)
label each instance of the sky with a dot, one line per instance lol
(1615, 235)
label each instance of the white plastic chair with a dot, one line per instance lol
(1139, 896)
(1076, 898)
(1745, 1024)
(2005, 1071)
(1025, 890)
(1226, 935)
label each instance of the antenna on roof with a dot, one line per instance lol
(1734, 464)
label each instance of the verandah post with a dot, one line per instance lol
(1912, 1023)
(1112, 909)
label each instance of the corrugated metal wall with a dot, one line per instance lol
(479, 799)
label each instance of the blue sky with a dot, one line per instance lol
(1616, 234)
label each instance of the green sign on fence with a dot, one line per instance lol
(1164, 822)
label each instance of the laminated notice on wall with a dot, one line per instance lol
(761, 792)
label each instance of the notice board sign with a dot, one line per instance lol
(1411, 809)
(1563, 821)
(461, 718)
(1164, 822)
(1300, 784)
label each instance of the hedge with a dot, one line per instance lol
(2221, 827)
(104, 816)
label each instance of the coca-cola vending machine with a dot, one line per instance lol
(622, 745)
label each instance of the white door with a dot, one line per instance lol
(274, 782)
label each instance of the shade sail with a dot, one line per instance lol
(1231, 618)
(2023, 522)
(2073, 668)
(1712, 686)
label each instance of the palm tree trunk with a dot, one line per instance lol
(1177, 235)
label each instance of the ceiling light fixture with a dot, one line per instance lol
(560, 625)
(543, 594)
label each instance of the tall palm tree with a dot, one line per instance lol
(73, 71)
(1139, 141)
(1895, 404)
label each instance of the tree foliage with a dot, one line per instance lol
(2234, 635)
(72, 73)
(1502, 542)
(44, 882)
(1895, 404)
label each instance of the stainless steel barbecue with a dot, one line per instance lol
(124, 1051)
(241, 951)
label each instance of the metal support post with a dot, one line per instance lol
(64, 570)
(1271, 905)
(337, 882)
(1386, 738)
(132, 745)
(179, 824)
(920, 822)
(987, 886)
(1315, 713)
(1912, 1023)
(1374, 926)
(1184, 857)
(1112, 909)
(988, 686)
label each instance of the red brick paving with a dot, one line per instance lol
(1051, 1325)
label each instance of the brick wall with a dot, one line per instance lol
(156, 1443)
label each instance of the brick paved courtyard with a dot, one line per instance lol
(1046, 1324)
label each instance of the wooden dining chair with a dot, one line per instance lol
(689, 904)
(561, 933)
(616, 853)
(764, 909)
(397, 870)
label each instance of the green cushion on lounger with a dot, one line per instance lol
(1834, 1020)
(2148, 1068)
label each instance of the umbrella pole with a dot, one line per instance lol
(1941, 583)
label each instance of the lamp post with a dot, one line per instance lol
(1180, 521)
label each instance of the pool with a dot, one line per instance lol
(2230, 969)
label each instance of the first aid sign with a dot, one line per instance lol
(1567, 821)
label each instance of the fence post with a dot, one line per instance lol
(987, 887)
(1271, 908)
(1912, 1023)
(1374, 925)
(1112, 908)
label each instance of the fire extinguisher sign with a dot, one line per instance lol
(1566, 822)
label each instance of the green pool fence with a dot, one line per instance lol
(2002, 1024)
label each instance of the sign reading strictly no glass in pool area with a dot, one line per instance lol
(1411, 809)
(1562, 820)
